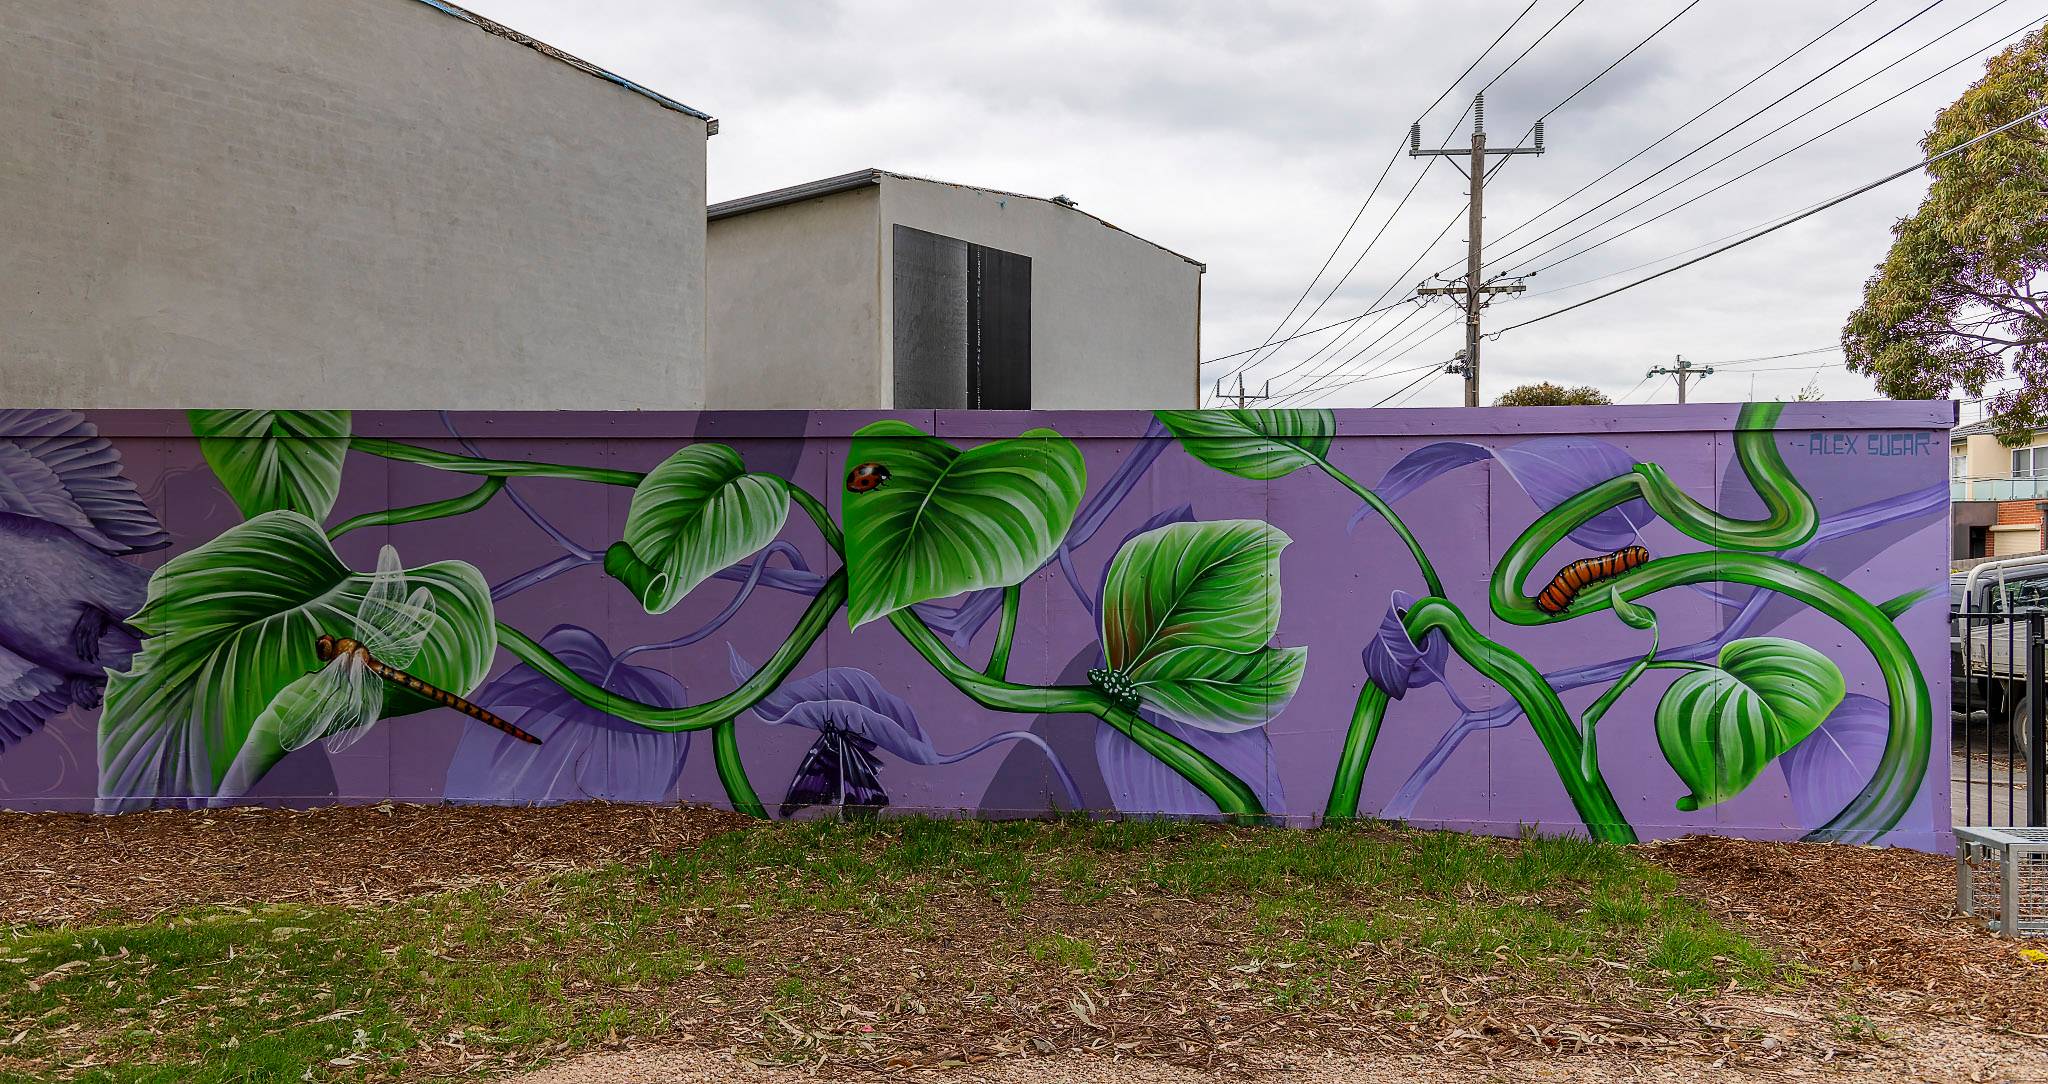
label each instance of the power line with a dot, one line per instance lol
(1967, 58)
(1753, 80)
(1532, 46)
(1774, 103)
(1399, 349)
(1406, 399)
(1307, 395)
(1775, 357)
(1808, 213)
(1352, 319)
(1332, 346)
(1408, 385)
(1378, 362)
(1480, 97)
(1384, 171)
(1583, 87)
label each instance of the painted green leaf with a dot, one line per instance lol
(1253, 443)
(1209, 584)
(1720, 727)
(696, 513)
(231, 628)
(275, 459)
(1221, 690)
(1186, 613)
(943, 521)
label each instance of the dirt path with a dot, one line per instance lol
(1923, 1053)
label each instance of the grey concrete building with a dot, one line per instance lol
(877, 290)
(338, 203)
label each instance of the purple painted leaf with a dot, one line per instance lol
(1832, 764)
(1423, 464)
(585, 753)
(1392, 659)
(1552, 470)
(55, 466)
(961, 621)
(1549, 469)
(843, 699)
(1140, 783)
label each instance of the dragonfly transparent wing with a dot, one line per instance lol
(366, 693)
(394, 627)
(336, 702)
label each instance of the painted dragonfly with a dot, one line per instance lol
(348, 694)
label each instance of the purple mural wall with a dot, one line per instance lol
(1629, 622)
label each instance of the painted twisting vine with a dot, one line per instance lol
(260, 641)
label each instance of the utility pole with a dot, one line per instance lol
(1683, 370)
(1243, 399)
(1474, 287)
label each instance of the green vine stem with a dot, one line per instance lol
(502, 468)
(989, 689)
(1547, 716)
(697, 716)
(414, 513)
(1348, 787)
(725, 754)
(1387, 513)
(1232, 797)
(1006, 635)
(1589, 762)
(1791, 520)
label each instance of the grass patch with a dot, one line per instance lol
(889, 939)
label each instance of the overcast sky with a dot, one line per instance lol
(1245, 134)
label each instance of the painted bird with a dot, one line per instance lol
(67, 516)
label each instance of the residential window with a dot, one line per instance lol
(1958, 467)
(2030, 462)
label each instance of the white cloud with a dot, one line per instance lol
(1245, 135)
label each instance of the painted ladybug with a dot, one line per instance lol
(867, 476)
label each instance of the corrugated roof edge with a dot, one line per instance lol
(863, 178)
(543, 48)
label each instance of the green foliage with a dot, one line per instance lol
(696, 513)
(1186, 613)
(1545, 393)
(1958, 301)
(272, 460)
(1719, 727)
(231, 628)
(949, 521)
(1253, 443)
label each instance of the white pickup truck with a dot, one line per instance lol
(1988, 666)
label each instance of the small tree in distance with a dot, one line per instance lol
(1545, 393)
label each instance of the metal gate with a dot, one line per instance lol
(1999, 762)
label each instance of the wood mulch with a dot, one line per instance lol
(1877, 929)
(1877, 922)
(67, 868)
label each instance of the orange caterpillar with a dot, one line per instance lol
(1576, 576)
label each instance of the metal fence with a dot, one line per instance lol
(1999, 764)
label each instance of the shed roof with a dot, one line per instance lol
(868, 178)
(576, 62)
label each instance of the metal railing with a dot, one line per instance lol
(1998, 489)
(1998, 665)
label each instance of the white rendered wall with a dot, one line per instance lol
(336, 203)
